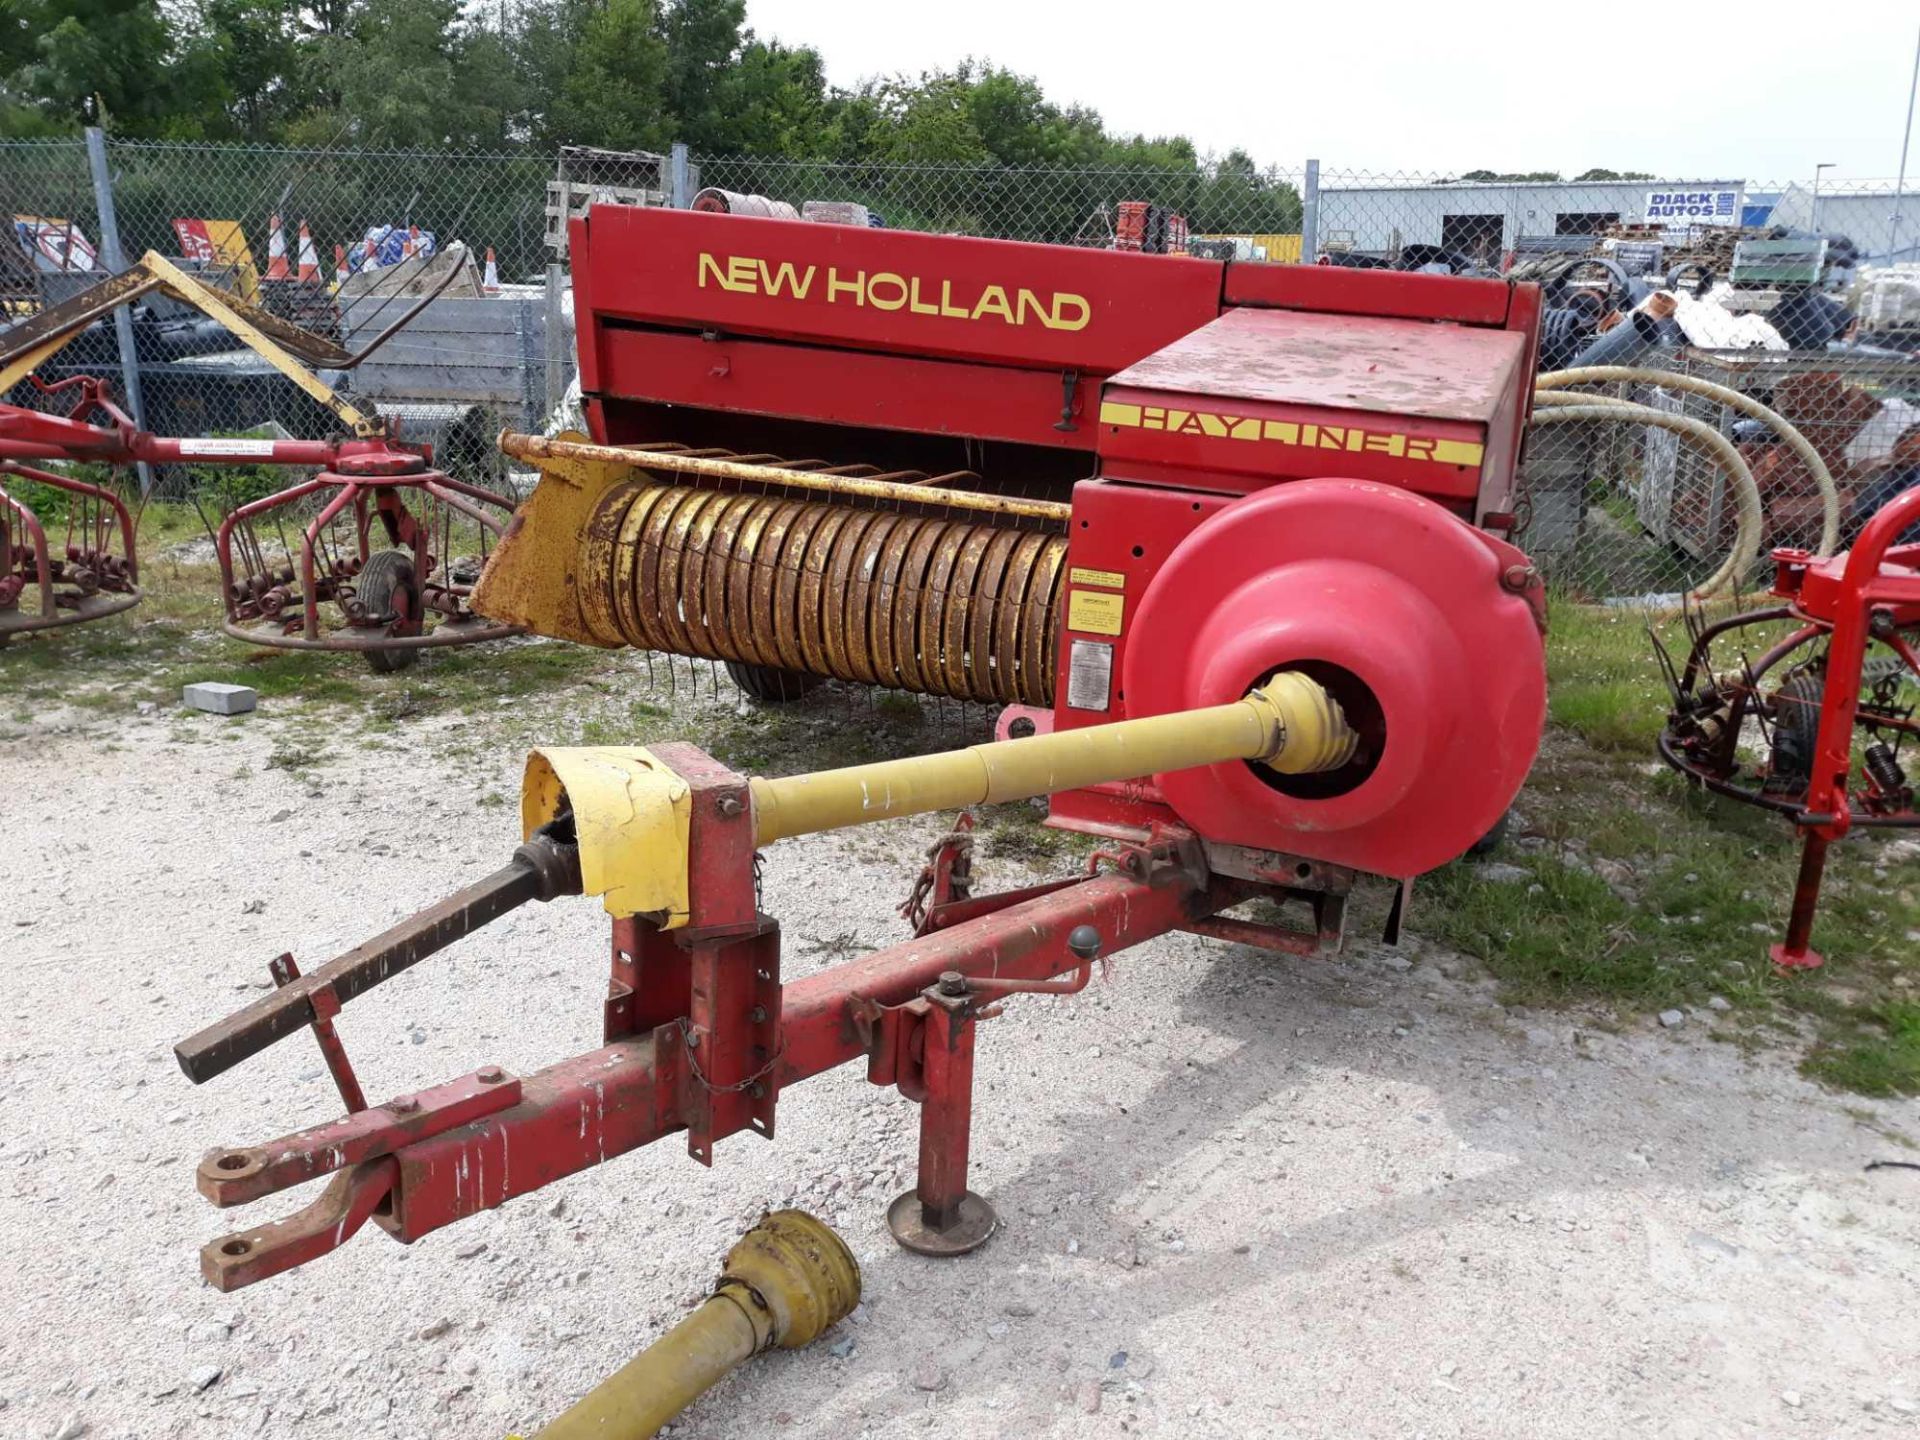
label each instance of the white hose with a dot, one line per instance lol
(1561, 380)
(1746, 538)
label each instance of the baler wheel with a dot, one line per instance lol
(387, 574)
(1490, 841)
(772, 686)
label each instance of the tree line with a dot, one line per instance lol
(533, 75)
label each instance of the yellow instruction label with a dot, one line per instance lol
(1112, 579)
(1095, 611)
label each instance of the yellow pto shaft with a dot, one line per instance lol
(788, 1279)
(1290, 723)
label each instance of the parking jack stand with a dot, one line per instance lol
(940, 1216)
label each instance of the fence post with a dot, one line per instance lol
(556, 336)
(116, 262)
(679, 198)
(1310, 215)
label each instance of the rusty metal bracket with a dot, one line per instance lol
(894, 1038)
(326, 1005)
(946, 878)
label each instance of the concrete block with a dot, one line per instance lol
(218, 699)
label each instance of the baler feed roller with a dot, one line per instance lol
(943, 607)
(879, 578)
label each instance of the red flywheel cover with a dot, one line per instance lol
(1444, 664)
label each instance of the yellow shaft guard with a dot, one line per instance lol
(1313, 731)
(631, 815)
(788, 1279)
(1290, 723)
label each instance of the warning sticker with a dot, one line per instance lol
(1095, 611)
(262, 448)
(1089, 674)
(1112, 579)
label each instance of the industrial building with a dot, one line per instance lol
(1490, 220)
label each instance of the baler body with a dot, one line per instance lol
(1249, 466)
(1231, 540)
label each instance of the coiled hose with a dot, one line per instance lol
(1563, 405)
(1559, 380)
(1746, 538)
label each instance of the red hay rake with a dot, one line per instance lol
(378, 548)
(1826, 699)
(396, 598)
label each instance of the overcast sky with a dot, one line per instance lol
(1732, 89)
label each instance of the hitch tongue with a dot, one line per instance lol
(546, 866)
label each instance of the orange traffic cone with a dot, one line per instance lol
(309, 260)
(490, 279)
(276, 251)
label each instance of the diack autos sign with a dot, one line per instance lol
(1693, 207)
(887, 290)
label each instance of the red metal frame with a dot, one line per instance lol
(1439, 622)
(1875, 590)
(372, 482)
(1868, 594)
(703, 1037)
(782, 319)
(893, 291)
(88, 581)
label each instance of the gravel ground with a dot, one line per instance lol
(1244, 1195)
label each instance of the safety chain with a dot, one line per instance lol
(691, 1049)
(914, 908)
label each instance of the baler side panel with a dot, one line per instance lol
(1507, 432)
(1045, 307)
(1122, 534)
(841, 387)
(1235, 445)
(1258, 395)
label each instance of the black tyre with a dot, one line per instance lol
(1490, 841)
(1796, 721)
(1796, 725)
(770, 686)
(386, 575)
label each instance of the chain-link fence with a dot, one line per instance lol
(344, 244)
(1802, 296)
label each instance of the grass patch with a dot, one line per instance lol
(294, 756)
(1628, 888)
(1017, 831)
(1882, 1057)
